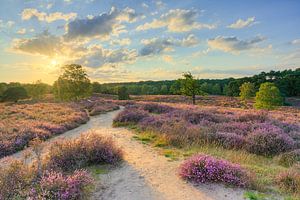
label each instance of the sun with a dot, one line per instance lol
(54, 62)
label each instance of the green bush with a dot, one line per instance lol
(14, 94)
(268, 97)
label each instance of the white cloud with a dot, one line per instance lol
(7, 24)
(96, 56)
(177, 20)
(155, 46)
(190, 40)
(144, 5)
(22, 31)
(240, 23)
(49, 5)
(235, 45)
(121, 42)
(29, 13)
(296, 41)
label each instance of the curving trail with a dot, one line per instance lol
(144, 175)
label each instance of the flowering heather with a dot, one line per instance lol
(264, 142)
(204, 169)
(55, 185)
(90, 148)
(130, 115)
(61, 176)
(157, 108)
(259, 132)
(96, 105)
(21, 123)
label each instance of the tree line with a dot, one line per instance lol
(287, 81)
(74, 84)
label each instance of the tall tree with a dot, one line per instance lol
(190, 86)
(247, 91)
(73, 83)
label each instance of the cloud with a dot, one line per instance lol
(96, 56)
(29, 13)
(7, 24)
(177, 20)
(92, 56)
(191, 40)
(101, 26)
(243, 23)
(295, 42)
(43, 44)
(156, 46)
(144, 5)
(233, 44)
(121, 42)
(22, 31)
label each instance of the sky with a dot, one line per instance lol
(132, 40)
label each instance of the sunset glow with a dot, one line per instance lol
(143, 40)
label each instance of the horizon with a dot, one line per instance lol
(147, 41)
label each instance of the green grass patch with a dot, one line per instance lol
(98, 169)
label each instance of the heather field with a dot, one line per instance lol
(21, 123)
(61, 172)
(260, 148)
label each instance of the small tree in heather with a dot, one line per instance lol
(14, 94)
(72, 84)
(268, 97)
(247, 91)
(122, 93)
(189, 86)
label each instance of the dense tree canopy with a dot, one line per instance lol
(72, 84)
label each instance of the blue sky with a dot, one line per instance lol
(128, 40)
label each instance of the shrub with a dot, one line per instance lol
(289, 158)
(15, 180)
(90, 148)
(268, 143)
(229, 140)
(204, 168)
(289, 181)
(55, 185)
(268, 97)
(14, 94)
(157, 108)
(130, 116)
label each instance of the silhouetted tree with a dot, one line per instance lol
(72, 84)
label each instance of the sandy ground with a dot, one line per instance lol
(144, 174)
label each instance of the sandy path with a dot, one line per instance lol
(144, 175)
